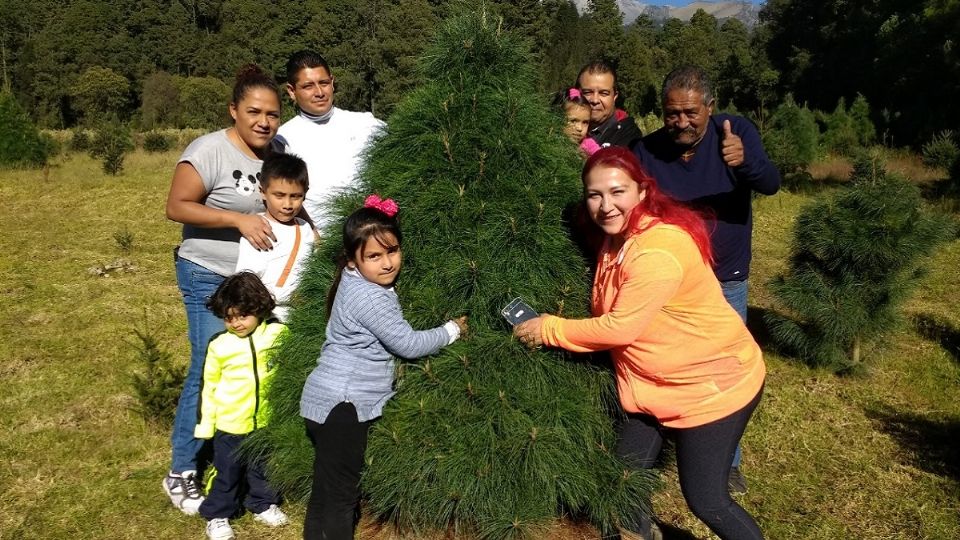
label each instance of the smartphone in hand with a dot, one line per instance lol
(517, 311)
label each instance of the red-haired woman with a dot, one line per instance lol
(686, 365)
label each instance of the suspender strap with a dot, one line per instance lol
(291, 260)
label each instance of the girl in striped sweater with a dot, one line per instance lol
(354, 376)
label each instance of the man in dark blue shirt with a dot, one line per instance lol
(714, 162)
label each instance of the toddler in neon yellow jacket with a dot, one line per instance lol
(234, 376)
(237, 367)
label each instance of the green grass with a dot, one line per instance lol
(871, 457)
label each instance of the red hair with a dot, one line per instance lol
(655, 203)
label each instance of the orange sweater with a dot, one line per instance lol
(681, 353)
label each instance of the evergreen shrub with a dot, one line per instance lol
(941, 151)
(21, 144)
(110, 145)
(53, 145)
(862, 123)
(856, 256)
(486, 437)
(792, 138)
(155, 141)
(839, 130)
(81, 141)
(156, 387)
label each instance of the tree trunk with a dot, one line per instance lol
(3, 58)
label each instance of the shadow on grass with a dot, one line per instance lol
(757, 324)
(930, 440)
(762, 321)
(803, 183)
(942, 192)
(940, 331)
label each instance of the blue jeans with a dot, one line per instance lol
(736, 294)
(197, 285)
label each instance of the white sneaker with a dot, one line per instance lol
(273, 517)
(219, 529)
(184, 491)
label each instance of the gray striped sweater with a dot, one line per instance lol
(365, 331)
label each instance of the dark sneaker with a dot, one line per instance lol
(736, 482)
(184, 491)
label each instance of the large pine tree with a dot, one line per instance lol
(486, 437)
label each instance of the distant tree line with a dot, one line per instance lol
(165, 63)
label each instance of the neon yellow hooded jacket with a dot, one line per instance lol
(235, 372)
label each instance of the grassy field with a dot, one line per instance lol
(873, 457)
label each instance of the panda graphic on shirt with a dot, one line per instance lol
(246, 184)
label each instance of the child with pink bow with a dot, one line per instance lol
(354, 376)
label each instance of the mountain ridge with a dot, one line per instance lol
(745, 12)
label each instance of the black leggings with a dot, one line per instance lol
(704, 455)
(338, 444)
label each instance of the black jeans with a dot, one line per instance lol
(704, 455)
(232, 470)
(338, 445)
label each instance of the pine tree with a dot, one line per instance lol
(855, 258)
(840, 130)
(791, 138)
(860, 114)
(157, 387)
(486, 437)
(21, 144)
(605, 28)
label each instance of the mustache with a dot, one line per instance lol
(687, 130)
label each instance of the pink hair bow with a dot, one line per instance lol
(573, 93)
(387, 206)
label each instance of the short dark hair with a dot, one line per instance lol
(286, 166)
(252, 76)
(245, 294)
(303, 60)
(598, 67)
(689, 78)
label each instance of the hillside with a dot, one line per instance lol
(746, 12)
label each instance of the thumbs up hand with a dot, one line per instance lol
(732, 147)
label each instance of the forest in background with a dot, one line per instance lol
(169, 63)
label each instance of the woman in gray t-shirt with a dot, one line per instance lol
(215, 195)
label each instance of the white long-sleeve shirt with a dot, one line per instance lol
(333, 151)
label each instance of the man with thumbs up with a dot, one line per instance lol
(714, 162)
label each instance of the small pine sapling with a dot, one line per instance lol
(111, 145)
(157, 385)
(791, 140)
(855, 258)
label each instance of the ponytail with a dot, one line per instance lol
(332, 293)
